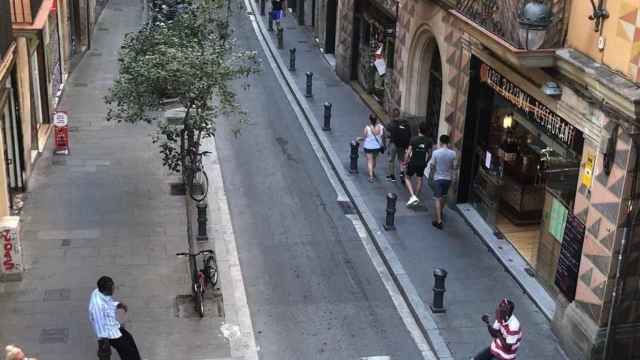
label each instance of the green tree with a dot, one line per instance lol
(191, 60)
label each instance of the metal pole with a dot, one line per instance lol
(327, 116)
(439, 276)
(202, 221)
(292, 59)
(353, 166)
(309, 93)
(280, 34)
(389, 223)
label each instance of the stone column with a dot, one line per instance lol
(24, 98)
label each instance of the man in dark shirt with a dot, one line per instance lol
(416, 160)
(399, 135)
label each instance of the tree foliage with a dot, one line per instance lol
(190, 59)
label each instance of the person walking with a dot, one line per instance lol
(399, 136)
(441, 166)
(506, 333)
(13, 352)
(373, 144)
(416, 159)
(102, 315)
(277, 11)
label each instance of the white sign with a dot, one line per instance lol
(12, 267)
(60, 119)
(381, 66)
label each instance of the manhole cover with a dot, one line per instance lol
(117, 9)
(65, 242)
(347, 207)
(103, 29)
(95, 53)
(59, 162)
(80, 84)
(302, 41)
(177, 189)
(332, 84)
(57, 295)
(54, 336)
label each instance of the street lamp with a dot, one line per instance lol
(534, 19)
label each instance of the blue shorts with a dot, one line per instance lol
(276, 15)
(441, 188)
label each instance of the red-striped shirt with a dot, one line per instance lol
(512, 335)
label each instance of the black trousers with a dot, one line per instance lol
(484, 355)
(124, 345)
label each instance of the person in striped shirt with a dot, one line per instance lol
(102, 315)
(506, 334)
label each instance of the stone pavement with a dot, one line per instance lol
(104, 209)
(476, 280)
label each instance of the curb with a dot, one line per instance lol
(420, 313)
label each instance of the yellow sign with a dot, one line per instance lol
(587, 174)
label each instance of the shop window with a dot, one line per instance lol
(525, 181)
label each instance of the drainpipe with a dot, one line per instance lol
(630, 225)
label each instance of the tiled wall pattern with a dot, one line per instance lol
(603, 209)
(629, 30)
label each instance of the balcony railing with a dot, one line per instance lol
(500, 17)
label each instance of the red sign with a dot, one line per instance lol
(61, 134)
(7, 246)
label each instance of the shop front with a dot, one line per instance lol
(521, 165)
(373, 50)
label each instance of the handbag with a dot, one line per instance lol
(382, 146)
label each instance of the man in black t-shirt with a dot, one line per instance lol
(416, 158)
(399, 135)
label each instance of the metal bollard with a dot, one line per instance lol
(262, 6)
(389, 223)
(202, 221)
(309, 93)
(292, 59)
(353, 166)
(439, 276)
(270, 21)
(280, 34)
(327, 116)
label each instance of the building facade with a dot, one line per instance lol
(542, 101)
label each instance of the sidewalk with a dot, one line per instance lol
(105, 209)
(476, 280)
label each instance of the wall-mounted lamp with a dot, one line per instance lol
(600, 14)
(551, 88)
(507, 121)
(608, 149)
(534, 19)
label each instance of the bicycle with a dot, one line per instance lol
(196, 177)
(200, 278)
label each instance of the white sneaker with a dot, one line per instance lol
(413, 200)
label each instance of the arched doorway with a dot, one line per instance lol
(424, 85)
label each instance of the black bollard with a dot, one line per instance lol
(353, 166)
(327, 116)
(439, 276)
(280, 34)
(202, 221)
(270, 21)
(292, 59)
(308, 93)
(262, 6)
(389, 223)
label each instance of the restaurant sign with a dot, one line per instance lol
(545, 119)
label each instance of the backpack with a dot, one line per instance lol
(401, 134)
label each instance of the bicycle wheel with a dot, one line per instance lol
(211, 270)
(199, 186)
(198, 296)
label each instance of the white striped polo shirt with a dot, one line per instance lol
(512, 335)
(102, 315)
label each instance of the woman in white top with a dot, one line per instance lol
(373, 137)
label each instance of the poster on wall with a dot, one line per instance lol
(570, 254)
(587, 175)
(557, 219)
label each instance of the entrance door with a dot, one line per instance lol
(12, 143)
(74, 15)
(332, 14)
(434, 98)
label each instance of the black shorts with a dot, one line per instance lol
(415, 169)
(372, 151)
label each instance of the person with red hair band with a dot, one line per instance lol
(506, 333)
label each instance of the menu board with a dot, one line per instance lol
(557, 219)
(570, 254)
